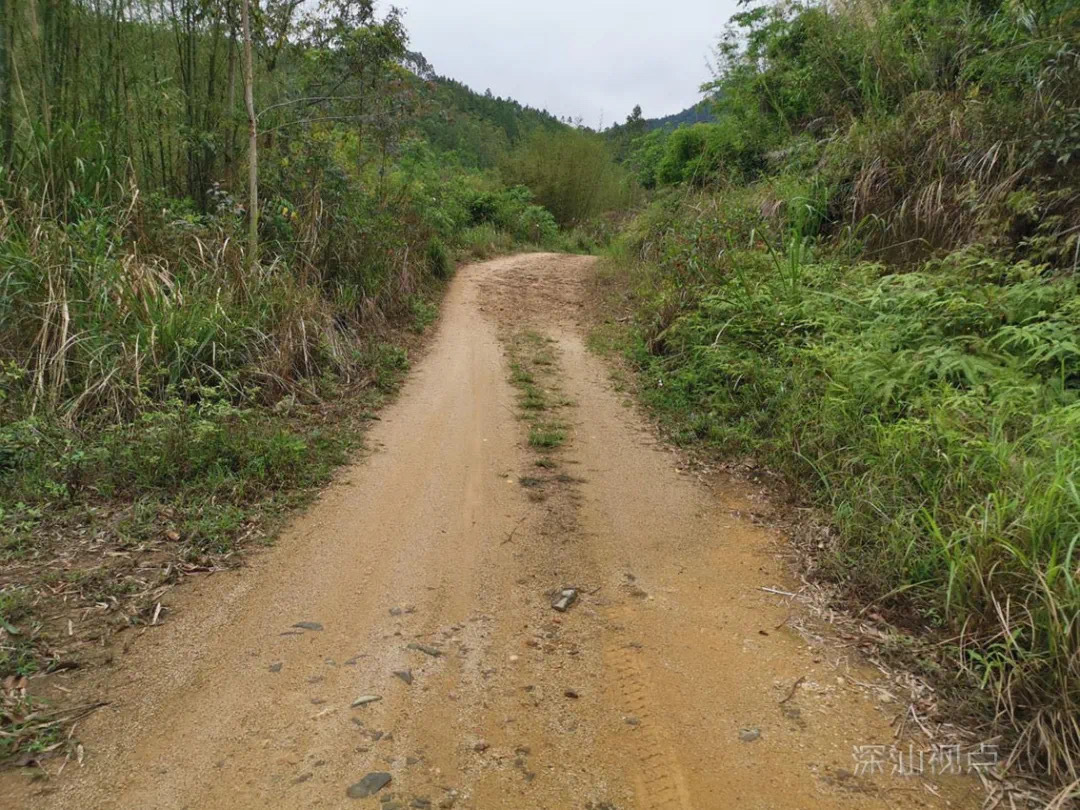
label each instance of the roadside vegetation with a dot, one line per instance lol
(222, 228)
(863, 272)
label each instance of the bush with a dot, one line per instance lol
(700, 153)
(438, 258)
(571, 173)
(536, 224)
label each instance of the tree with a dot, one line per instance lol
(253, 141)
(623, 135)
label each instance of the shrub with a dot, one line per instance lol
(699, 153)
(571, 173)
(438, 259)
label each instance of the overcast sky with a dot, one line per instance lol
(587, 58)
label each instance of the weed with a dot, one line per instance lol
(547, 435)
(438, 258)
(520, 376)
(533, 355)
(424, 313)
(534, 399)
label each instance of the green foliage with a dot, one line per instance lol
(546, 436)
(208, 462)
(513, 211)
(424, 313)
(932, 411)
(644, 156)
(534, 372)
(571, 173)
(485, 241)
(697, 154)
(881, 303)
(478, 129)
(438, 259)
(923, 118)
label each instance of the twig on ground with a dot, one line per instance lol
(777, 592)
(794, 688)
(510, 537)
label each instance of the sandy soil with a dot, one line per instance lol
(662, 687)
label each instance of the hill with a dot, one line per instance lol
(697, 114)
(477, 127)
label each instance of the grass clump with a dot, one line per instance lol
(547, 436)
(534, 399)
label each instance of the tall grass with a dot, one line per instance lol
(128, 306)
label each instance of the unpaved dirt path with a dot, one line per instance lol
(636, 698)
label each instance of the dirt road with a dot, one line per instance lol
(672, 682)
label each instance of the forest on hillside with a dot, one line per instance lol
(863, 273)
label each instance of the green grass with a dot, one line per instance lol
(16, 649)
(520, 376)
(424, 313)
(534, 399)
(484, 241)
(210, 466)
(547, 436)
(534, 372)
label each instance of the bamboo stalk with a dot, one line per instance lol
(253, 158)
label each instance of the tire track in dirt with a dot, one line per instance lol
(659, 783)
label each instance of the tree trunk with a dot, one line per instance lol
(7, 127)
(230, 105)
(253, 158)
